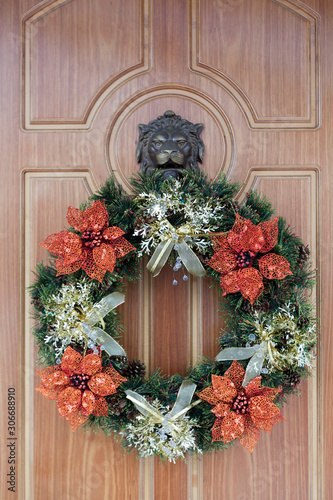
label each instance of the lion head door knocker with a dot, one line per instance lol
(171, 145)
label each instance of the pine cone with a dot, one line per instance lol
(304, 254)
(116, 405)
(262, 307)
(133, 369)
(37, 303)
(292, 379)
(119, 363)
(141, 221)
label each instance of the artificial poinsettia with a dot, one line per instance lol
(241, 413)
(79, 385)
(95, 249)
(236, 251)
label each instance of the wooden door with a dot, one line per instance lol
(77, 77)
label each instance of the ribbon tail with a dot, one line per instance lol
(255, 364)
(190, 260)
(160, 256)
(110, 344)
(235, 353)
(103, 307)
(143, 406)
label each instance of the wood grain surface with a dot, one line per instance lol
(77, 77)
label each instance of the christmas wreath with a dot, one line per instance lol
(263, 275)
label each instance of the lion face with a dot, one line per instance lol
(170, 150)
(169, 144)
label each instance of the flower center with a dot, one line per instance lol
(241, 404)
(92, 239)
(80, 381)
(245, 259)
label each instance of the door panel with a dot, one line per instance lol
(77, 77)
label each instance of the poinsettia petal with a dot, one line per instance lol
(229, 282)
(224, 388)
(234, 240)
(90, 267)
(250, 436)
(245, 236)
(267, 424)
(53, 376)
(236, 374)
(221, 410)
(64, 243)
(269, 393)
(230, 427)
(88, 402)
(270, 231)
(241, 224)
(122, 247)
(250, 283)
(53, 242)
(112, 233)
(217, 434)
(71, 361)
(263, 408)
(223, 262)
(52, 393)
(274, 266)
(220, 244)
(105, 257)
(101, 407)
(253, 388)
(69, 400)
(209, 395)
(96, 216)
(76, 220)
(76, 418)
(91, 364)
(116, 377)
(65, 267)
(253, 240)
(70, 246)
(102, 384)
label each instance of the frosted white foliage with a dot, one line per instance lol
(66, 311)
(200, 216)
(170, 440)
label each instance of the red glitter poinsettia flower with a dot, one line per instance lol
(241, 413)
(236, 251)
(95, 250)
(79, 385)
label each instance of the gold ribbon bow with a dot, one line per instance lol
(181, 406)
(96, 314)
(257, 353)
(176, 239)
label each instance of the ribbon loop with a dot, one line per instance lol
(144, 407)
(95, 315)
(176, 239)
(109, 343)
(257, 353)
(255, 364)
(232, 353)
(103, 307)
(184, 398)
(181, 406)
